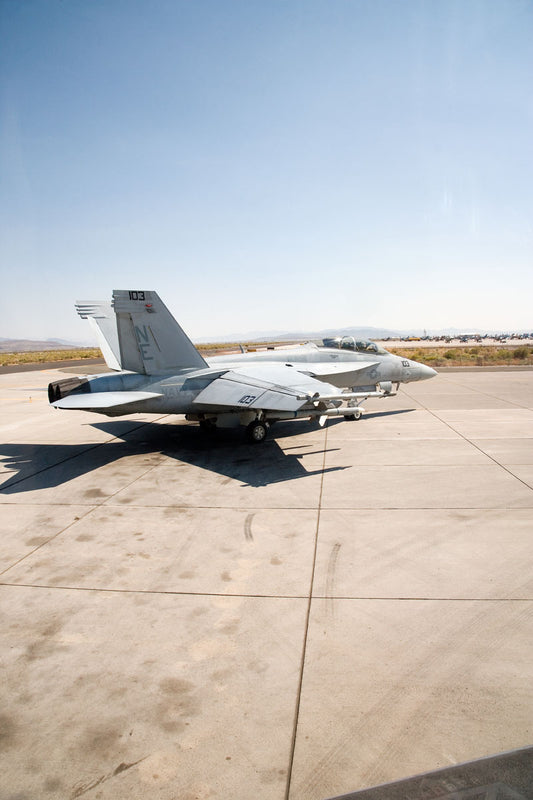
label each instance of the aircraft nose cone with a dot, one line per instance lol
(426, 372)
(414, 371)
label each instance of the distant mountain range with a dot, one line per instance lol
(281, 336)
(31, 345)
(364, 332)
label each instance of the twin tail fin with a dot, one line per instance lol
(138, 333)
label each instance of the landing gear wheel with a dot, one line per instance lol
(208, 426)
(256, 432)
(356, 415)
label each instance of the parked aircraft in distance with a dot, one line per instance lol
(159, 371)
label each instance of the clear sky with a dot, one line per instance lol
(268, 164)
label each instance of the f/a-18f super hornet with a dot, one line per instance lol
(158, 370)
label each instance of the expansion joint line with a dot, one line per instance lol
(324, 597)
(77, 519)
(81, 516)
(8, 484)
(486, 394)
(307, 620)
(466, 439)
(51, 539)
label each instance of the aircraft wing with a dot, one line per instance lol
(100, 400)
(270, 387)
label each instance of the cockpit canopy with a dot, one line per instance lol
(355, 345)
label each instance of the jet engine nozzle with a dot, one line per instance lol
(59, 389)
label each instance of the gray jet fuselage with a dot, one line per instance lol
(179, 390)
(388, 367)
(162, 372)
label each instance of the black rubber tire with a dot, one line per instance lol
(351, 417)
(208, 426)
(256, 432)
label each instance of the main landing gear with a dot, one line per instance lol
(256, 431)
(208, 426)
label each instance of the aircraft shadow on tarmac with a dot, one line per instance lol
(44, 466)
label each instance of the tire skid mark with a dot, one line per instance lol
(330, 578)
(248, 535)
(82, 788)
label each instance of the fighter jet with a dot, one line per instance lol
(158, 370)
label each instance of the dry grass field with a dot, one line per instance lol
(469, 355)
(448, 355)
(44, 356)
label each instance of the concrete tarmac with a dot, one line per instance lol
(185, 617)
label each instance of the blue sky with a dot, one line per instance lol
(268, 164)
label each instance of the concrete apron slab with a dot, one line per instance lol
(391, 686)
(523, 473)
(490, 424)
(404, 451)
(408, 423)
(472, 400)
(186, 550)
(468, 486)
(131, 695)
(513, 385)
(404, 553)
(156, 606)
(507, 451)
(25, 529)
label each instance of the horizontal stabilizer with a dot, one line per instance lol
(103, 322)
(97, 400)
(93, 308)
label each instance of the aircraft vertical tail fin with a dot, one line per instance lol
(149, 338)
